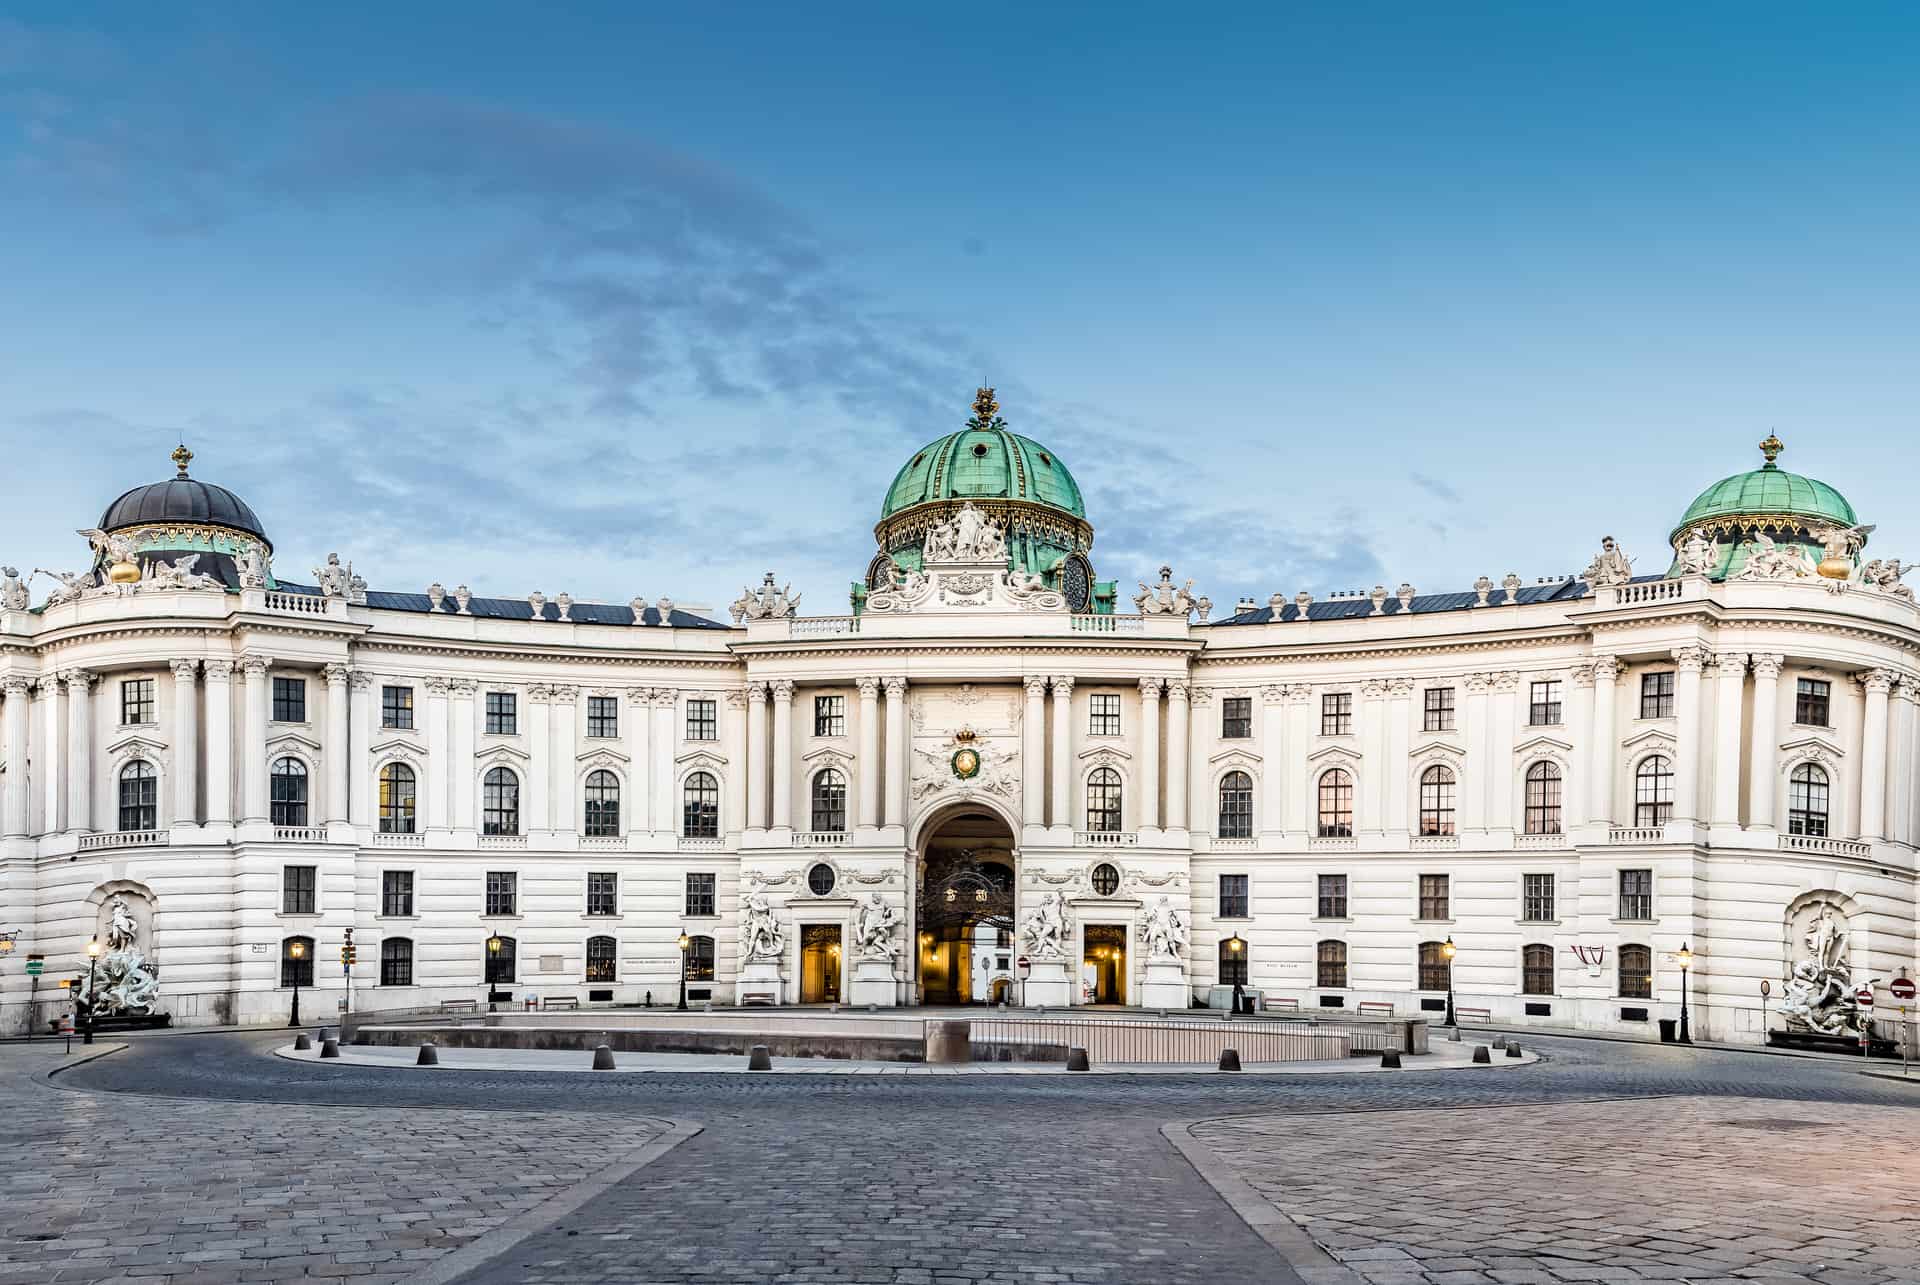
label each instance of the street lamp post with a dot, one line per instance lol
(493, 959)
(1237, 948)
(685, 942)
(1686, 984)
(1447, 951)
(296, 951)
(93, 996)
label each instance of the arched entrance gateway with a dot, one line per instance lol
(965, 876)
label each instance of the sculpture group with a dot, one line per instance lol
(968, 536)
(1818, 995)
(122, 983)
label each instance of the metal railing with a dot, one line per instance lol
(1119, 1041)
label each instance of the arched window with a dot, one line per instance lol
(500, 964)
(500, 802)
(1336, 804)
(1543, 799)
(1806, 800)
(397, 794)
(1332, 965)
(603, 806)
(700, 806)
(396, 961)
(139, 797)
(296, 966)
(1536, 969)
(1236, 806)
(1636, 972)
(699, 959)
(600, 953)
(1436, 800)
(1653, 792)
(1233, 961)
(1436, 970)
(829, 803)
(289, 799)
(1103, 801)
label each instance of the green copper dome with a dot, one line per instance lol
(986, 462)
(1769, 491)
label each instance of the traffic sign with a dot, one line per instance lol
(35, 967)
(1864, 997)
(1025, 965)
(1902, 988)
(1766, 988)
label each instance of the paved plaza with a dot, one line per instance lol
(204, 1157)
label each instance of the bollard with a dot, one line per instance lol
(1453, 1035)
(1390, 1060)
(301, 1043)
(758, 1059)
(329, 1048)
(1513, 1049)
(429, 1056)
(1076, 1058)
(602, 1058)
(1499, 1041)
(1229, 1059)
(1481, 1057)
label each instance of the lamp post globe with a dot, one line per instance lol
(93, 959)
(494, 944)
(685, 942)
(1447, 951)
(296, 951)
(1685, 958)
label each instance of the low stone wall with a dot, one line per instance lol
(845, 1044)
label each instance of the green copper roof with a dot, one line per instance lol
(984, 461)
(1767, 490)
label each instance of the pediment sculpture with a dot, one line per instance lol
(968, 536)
(1769, 560)
(765, 603)
(1167, 599)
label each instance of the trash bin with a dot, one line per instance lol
(1666, 1029)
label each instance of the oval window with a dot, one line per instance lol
(1106, 879)
(820, 879)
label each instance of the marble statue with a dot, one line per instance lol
(1165, 932)
(1043, 933)
(1842, 542)
(73, 585)
(122, 982)
(1167, 599)
(1818, 994)
(1697, 553)
(1767, 560)
(873, 926)
(251, 564)
(967, 536)
(13, 590)
(1611, 566)
(765, 603)
(180, 574)
(120, 926)
(1884, 574)
(334, 580)
(108, 549)
(461, 597)
(760, 933)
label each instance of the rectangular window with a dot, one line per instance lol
(1333, 897)
(829, 716)
(503, 892)
(289, 700)
(703, 719)
(1436, 970)
(297, 889)
(700, 895)
(1236, 717)
(1656, 695)
(396, 893)
(603, 893)
(503, 718)
(1435, 903)
(396, 708)
(1543, 704)
(1811, 702)
(603, 716)
(1636, 894)
(1536, 896)
(1336, 714)
(1331, 973)
(1233, 896)
(1439, 712)
(396, 962)
(600, 959)
(1536, 969)
(1104, 717)
(136, 701)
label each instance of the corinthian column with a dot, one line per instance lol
(1900, 766)
(1033, 754)
(1063, 751)
(1873, 756)
(782, 753)
(1147, 754)
(18, 806)
(896, 751)
(1686, 711)
(1179, 717)
(1606, 673)
(757, 755)
(186, 743)
(51, 756)
(79, 750)
(1765, 749)
(253, 766)
(1730, 670)
(219, 674)
(867, 773)
(338, 745)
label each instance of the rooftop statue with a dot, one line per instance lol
(766, 603)
(334, 580)
(1697, 553)
(1167, 599)
(13, 590)
(967, 536)
(1884, 574)
(1767, 560)
(1611, 566)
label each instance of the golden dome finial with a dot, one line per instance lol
(1771, 448)
(181, 458)
(984, 406)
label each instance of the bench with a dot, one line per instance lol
(1375, 1008)
(1282, 1004)
(1472, 1014)
(459, 1006)
(756, 997)
(552, 1002)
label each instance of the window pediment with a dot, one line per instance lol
(1104, 756)
(1543, 746)
(495, 755)
(602, 758)
(828, 756)
(1440, 749)
(1650, 738)
(1235, 758)
(1816, 748)
(291, 741)
(700, 759)
(136, 745)
(1334, 756)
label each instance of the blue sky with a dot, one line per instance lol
(621, 299)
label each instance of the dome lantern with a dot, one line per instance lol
(180, 517)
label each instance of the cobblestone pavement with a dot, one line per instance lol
(96, 1188)
(1712, 1191)
(941, 1181)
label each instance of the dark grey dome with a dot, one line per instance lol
(182, 499)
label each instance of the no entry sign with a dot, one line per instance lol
(1864, 997)
(1901, 988)
(1026, 965)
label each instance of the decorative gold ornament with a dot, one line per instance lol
(966, 763)
(123, 572)
(985, 407)
(1772, 448)
(181, 457)
(1836, 568)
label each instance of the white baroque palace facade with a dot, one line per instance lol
(1568, 779)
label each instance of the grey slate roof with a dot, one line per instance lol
(1355, 608)
(585, 613)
